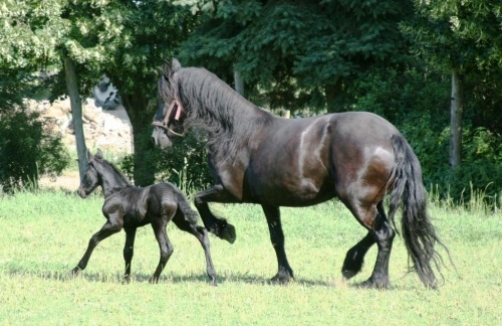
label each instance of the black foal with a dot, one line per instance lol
(128, 207)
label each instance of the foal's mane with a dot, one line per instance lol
(116, 172)
(211, 104)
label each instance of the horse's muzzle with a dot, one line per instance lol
(160, 139)
(81, 192)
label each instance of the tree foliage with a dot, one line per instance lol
(298, 53)
(465, 36)
(129, 41)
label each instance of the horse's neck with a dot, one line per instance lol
(112, 184)
(233, 144)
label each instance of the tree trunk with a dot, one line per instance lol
(239, 83)
(141, 111)
(333, 93)
(456, 110)
(76, 111)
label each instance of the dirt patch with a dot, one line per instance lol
(108, 130)
(68, 181)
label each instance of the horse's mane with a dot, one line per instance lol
(214, 106)
(116, 172)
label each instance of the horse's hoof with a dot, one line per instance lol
(348, 274)
(370, 284)
(153, 280)
(228, 233)
(280, 279)
(74, 272)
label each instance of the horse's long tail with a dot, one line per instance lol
(418, 232)
(183, 205)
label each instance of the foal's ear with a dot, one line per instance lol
(99, 154)
(88, 155)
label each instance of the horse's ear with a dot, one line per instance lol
(171, 68)
(88, 155)
(99, 154)
(176, 65)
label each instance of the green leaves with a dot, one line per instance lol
(296, 47)
(30, 31)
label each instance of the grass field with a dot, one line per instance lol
(43, 235)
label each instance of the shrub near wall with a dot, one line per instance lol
(26, 151)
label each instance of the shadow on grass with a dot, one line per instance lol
(65, 276)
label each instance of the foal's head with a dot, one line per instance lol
(99, 172)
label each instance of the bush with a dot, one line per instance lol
(184, 164)
(26, 151)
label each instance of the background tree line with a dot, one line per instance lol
(432, 68)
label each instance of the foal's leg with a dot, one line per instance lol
(166, 248)
(107, 230)
(383, 235)
(273, 215)
(355, 256)
(129, 251)
(201, 234)
(219, 227)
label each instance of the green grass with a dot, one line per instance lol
(43, 235)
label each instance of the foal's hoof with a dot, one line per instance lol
(75, 271)
(228, 233)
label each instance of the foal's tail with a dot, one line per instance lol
(418, 232)
(183, 205)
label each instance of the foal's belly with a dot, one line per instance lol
(135, 219)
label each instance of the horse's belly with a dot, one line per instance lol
(302, 192)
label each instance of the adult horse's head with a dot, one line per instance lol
(169, 118)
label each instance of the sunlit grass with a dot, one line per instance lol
(44, 234)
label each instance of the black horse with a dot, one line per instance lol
(128, 207)
(256, 157)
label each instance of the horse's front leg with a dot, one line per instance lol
(273, 215)
(111, 227)
(218, 226)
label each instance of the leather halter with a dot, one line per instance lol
(176, 103)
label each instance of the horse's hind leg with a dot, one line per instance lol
(107, 230)
(379, 228)
(355, 256)
(166, 248)
(202, 235)
(273, 215)
(128, 252)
